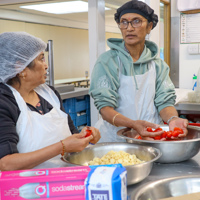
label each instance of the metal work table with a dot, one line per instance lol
(77, 92)
(188, 107)
(75, 81)
(162, 171)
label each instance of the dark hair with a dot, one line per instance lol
(16, 79)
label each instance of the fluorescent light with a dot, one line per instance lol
(61, 8)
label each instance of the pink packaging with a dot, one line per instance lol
(66, 183)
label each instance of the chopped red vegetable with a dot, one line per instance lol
(88, 133)
(166, 134)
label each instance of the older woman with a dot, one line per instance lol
(130, 86)
(34, 128)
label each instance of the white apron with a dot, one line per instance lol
(134, 104)
(37, 131)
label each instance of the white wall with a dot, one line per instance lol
(188, 64)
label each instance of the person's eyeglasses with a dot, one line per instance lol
(134, 23)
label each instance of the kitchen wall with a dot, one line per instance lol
(186, 65)
(71, 48)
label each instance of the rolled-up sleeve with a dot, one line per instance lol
(165, 90)
(105, 83)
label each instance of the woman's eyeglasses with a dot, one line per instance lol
(134, 23)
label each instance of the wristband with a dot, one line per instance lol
(113, 121)
(168, 121)
(63, 148)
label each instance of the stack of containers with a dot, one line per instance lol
(79, 110)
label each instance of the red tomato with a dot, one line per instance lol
(175, 133)
(179, 130)
(139, 137)
(149, 129)
(158, 129)
(169, 134)
(158, 137)
(88, 133)
(164, 135)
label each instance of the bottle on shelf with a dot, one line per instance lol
(197, 91)
(194, 82)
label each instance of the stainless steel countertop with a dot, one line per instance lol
(188, 107)
(162, 171)
(76, 93)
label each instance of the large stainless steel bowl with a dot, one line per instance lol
(135, 173)
(172, 151)
(169, 187)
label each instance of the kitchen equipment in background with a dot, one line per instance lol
(172, 151)
(86, 74)
(135, 173)
(50, 71)
(79, 110)
(169, 187)
(63, 88)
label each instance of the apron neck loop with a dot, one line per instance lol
(133, 73)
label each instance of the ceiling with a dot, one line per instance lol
(78, 17)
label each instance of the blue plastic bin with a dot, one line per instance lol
(82, 119)
(78, 104)
(79, 110)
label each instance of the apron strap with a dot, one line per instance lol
(48, 94)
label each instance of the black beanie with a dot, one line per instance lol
(138, 7)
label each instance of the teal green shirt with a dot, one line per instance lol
(105, 75)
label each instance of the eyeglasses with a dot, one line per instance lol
(134, 23)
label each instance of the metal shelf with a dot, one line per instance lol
(76, 93)
(188, 107)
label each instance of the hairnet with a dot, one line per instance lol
(17, 51)
(138, 7)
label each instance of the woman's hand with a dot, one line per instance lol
(141, 127)
(78, 142)
(94, 132)
(74, 143)
(181, 123)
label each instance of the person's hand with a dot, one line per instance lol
(141, 127)
(94, 132)
(181, 123)
(77, 142)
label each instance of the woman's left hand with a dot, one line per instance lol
(181, 123)
(94, 132)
